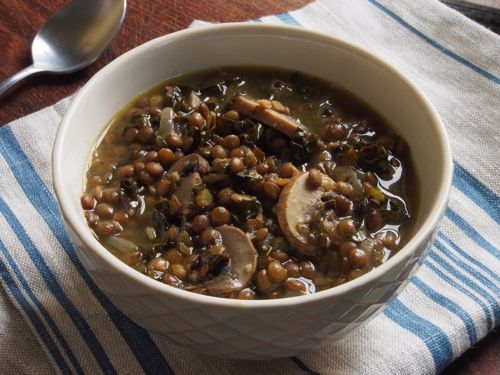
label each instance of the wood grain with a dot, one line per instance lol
(145, 20)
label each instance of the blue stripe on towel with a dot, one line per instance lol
(431, 335)
(471, 259)
(448, 305)
(55, 330)
(466, 280)
(475, 190)
(471, 232)
(35, 320)
(468, 293)
(288, 19)
(435, 44)
(475, 273)
(146, 352)
(56, 289)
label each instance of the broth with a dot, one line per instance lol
(250, 183)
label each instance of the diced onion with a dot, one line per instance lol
(166, 121)
(121, 244)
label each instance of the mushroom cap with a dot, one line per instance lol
(296, 206)
(191, 162)
(185, 190)
(242, 262)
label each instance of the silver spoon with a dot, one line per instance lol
(72, 38)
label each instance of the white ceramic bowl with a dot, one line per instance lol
(267, 328)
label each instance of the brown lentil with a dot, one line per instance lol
(208, 236)
(346, 247)
(250, 159)
(263, 281)
(174, 140)
(132, 258)
(236, 165)
(307, 269)
(104, 210)
(335, 132)
(295, 286)
(220, 216)
(139, 166)
(246, 294)
(200, 223)
(314, 179)
(293, 269)
(121, 217)
(178, 271)
(387, 238)
(166, 157)
(232, 115)
(262, 168)
(163, 187)
(271, 190)
(288, 170)
(279, 255)
(373, 220)
(126, 171)
(231, 141)
(88, 202)
(146, 178)
(174, 256)
(154, 168)
(343, 188)
(146, 135)
(196, 119)
(172, 233)
(131, 135)
(107, 228)
(158, 265)
(225, 196)
(171, 280)
(261, 234)
(346, 228)
(276, 272)
(358, 258)
(342, 204)
(218, 152)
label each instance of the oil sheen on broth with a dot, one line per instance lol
(250, 183)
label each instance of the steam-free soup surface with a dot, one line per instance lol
(250, 183)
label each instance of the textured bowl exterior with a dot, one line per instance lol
(252, 329)
(241, 333)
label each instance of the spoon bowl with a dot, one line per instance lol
(72, 38)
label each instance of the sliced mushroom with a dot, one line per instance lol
(242, 262)
(193, 164)
(296, 206)
(267, 116)
(185, 190)
(190, 163)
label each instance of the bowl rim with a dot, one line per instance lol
(75, 222)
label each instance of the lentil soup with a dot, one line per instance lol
(253, 183)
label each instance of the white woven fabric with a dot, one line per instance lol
(54, 319)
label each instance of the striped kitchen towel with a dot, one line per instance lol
(55, 320)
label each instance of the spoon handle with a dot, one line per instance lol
(18, 77)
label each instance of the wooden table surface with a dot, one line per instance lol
(20, 20)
